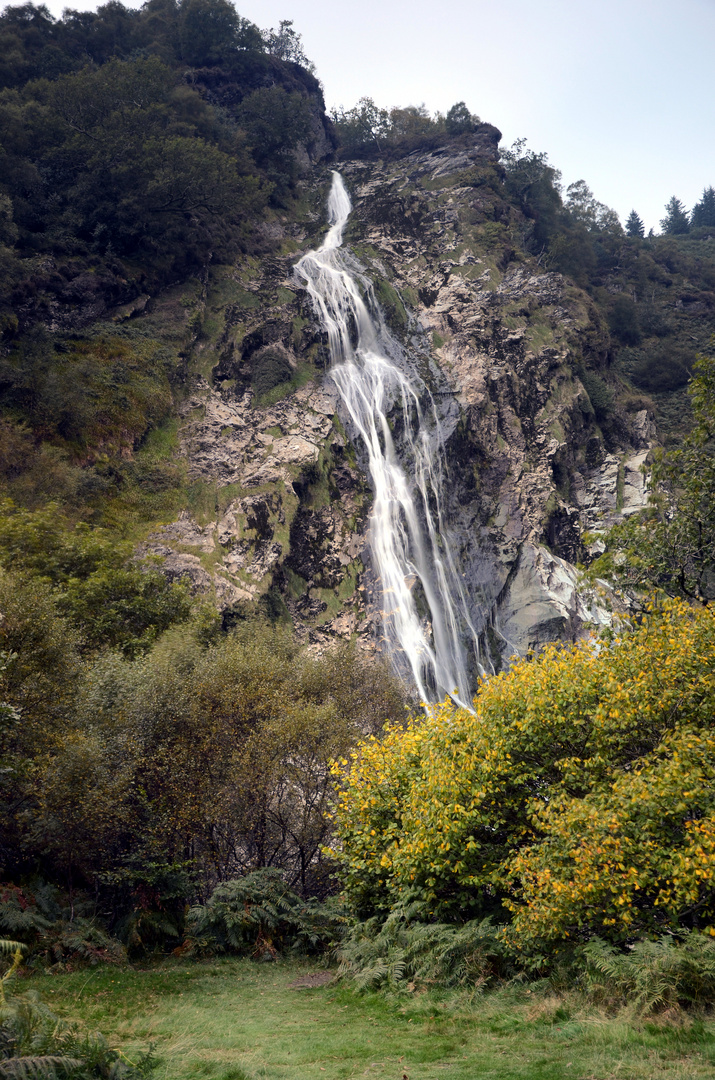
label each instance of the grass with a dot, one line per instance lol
(239, 1020)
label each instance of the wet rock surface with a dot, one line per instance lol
(528, 468)
(500, 345)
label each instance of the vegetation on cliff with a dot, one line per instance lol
(154, 753)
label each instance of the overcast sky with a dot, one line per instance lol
(620, 93)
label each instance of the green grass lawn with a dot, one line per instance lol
(237, 1020)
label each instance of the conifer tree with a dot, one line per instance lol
(703, 213)
(634, 226)
(676, 220)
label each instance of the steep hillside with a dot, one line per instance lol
(164, 376)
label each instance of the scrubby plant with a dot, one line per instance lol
(575, 799)
(402, 951)
(670, 971)
(35, 1044)
(600, 394)
(260, 916)
(53, 935)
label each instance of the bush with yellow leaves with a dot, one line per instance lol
(577, 799)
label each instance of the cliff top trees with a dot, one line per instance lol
(634, 226)
(703, 213)
(209, 30)
(676, 220)
(459, 119)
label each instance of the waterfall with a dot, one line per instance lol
(410, 549)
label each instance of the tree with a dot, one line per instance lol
(287, 44)
(634, 226)
(536, 187)
(111, 600)
(208, 30)
(670, 546)
(676, 221)
(623, 320)
(459, 119)
(576, 798)
(365, 126)
(411, 122)
(703, 213)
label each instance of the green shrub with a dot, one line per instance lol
(400, 953)
(654, 974)
(53, 935)
(35, 1044)
(270, 369)
(600, 394)
(259, 915)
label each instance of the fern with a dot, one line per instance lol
(15, 949)
(399, 949)
(19, 914)
(34, 1042)
(260, 915)
(47, 1067)
(654, 974)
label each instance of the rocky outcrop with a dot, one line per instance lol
(530, 471)
(530, 476)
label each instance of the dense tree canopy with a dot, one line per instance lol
(576, 799)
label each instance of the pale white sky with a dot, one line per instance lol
(620, 93)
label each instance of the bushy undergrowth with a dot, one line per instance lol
(52, 934)
(36, 1044)
(653, 974)
(401, 953)
(259, 915)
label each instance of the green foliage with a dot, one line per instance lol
(201, 760)
(670, 546)
(623, 320)
(367, 129)
(402, 952)
(286, 43)
(364, 127)
(96, 396)
(676, 220)
(150, 900)
(208, 30)
(668, 972)
(459, 119)
(54, 934)
(112, 601)
(577, 796)
(535, 186)
(275, 121)
(634, 226)
(703, 213)
(35, 1044)
(111, 152)
(600, 394)
(260, 916)
(658, 367)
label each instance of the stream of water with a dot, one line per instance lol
(425, 615)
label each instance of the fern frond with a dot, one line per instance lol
(38, 1068)
(12, 947)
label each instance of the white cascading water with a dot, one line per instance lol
(407, 539)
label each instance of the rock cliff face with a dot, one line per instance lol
(507, 350)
